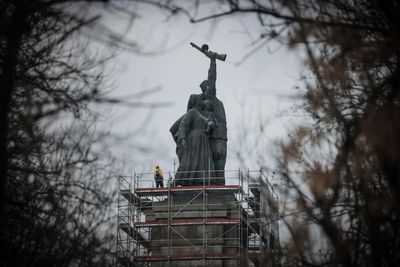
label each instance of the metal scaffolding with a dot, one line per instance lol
(205, 224)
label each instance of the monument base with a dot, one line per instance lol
(196, 228)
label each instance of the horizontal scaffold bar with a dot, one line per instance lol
(164, 190)
(187, 257)
(187, 222)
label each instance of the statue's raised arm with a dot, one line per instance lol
(212, 76)
(212, 71)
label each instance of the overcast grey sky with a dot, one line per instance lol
(259, 87)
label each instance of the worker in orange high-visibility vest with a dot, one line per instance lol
(158, 177)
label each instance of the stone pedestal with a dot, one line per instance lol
(201, 227)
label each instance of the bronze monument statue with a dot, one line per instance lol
(194, 134)
(206, 153)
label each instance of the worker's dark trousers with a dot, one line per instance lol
(159, 183)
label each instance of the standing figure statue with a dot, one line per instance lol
(218, 138)
(197, 165)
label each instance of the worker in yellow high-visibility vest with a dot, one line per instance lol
(158, 177)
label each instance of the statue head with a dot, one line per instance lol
(204, 85)
(207, 88)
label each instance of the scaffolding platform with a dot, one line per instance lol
(186, 222)
(187, 257)
(207, 224)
